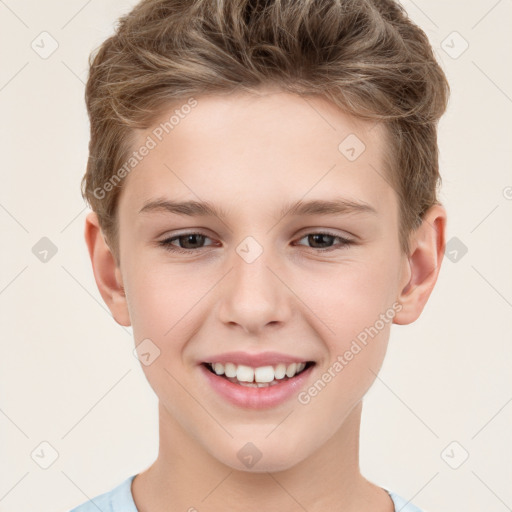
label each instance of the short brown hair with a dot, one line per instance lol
(366, 56)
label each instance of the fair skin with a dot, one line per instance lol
(252, 154)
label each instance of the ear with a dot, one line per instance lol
(423, 264)
(106, 272)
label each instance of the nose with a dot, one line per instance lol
(253, 297)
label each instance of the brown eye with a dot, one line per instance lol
(187, 242)
(324, 241)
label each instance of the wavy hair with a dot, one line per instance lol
(366, 56)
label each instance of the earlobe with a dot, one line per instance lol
(424, 263)
(107, 274)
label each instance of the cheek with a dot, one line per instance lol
(347, 297)
(162, 297)
(163, 308)
(356, 304)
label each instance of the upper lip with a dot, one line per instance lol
(255, 360)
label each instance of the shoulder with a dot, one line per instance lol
(402, 505)
(119, 499)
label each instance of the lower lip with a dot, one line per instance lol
(256, 398)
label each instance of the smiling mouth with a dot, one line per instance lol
(261, 377)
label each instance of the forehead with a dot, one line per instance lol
(253, 149)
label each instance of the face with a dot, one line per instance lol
(298, 261)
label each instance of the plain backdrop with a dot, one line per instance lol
(77, 415)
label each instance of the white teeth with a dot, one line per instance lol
(280, 371)
(263, 375)
(291, 370)
(244, 373)
(230, 370)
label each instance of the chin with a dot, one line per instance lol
(273, 465)
(260, 457)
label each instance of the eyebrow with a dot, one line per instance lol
(337, 206)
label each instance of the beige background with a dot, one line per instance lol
(68, 376)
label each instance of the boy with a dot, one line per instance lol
(295, 144)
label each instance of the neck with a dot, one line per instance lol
(186, 477)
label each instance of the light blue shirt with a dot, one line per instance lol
(120, 499)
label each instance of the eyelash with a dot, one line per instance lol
(166, 244)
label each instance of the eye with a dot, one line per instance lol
(324, 239)
(191, 242)
(188, 241)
